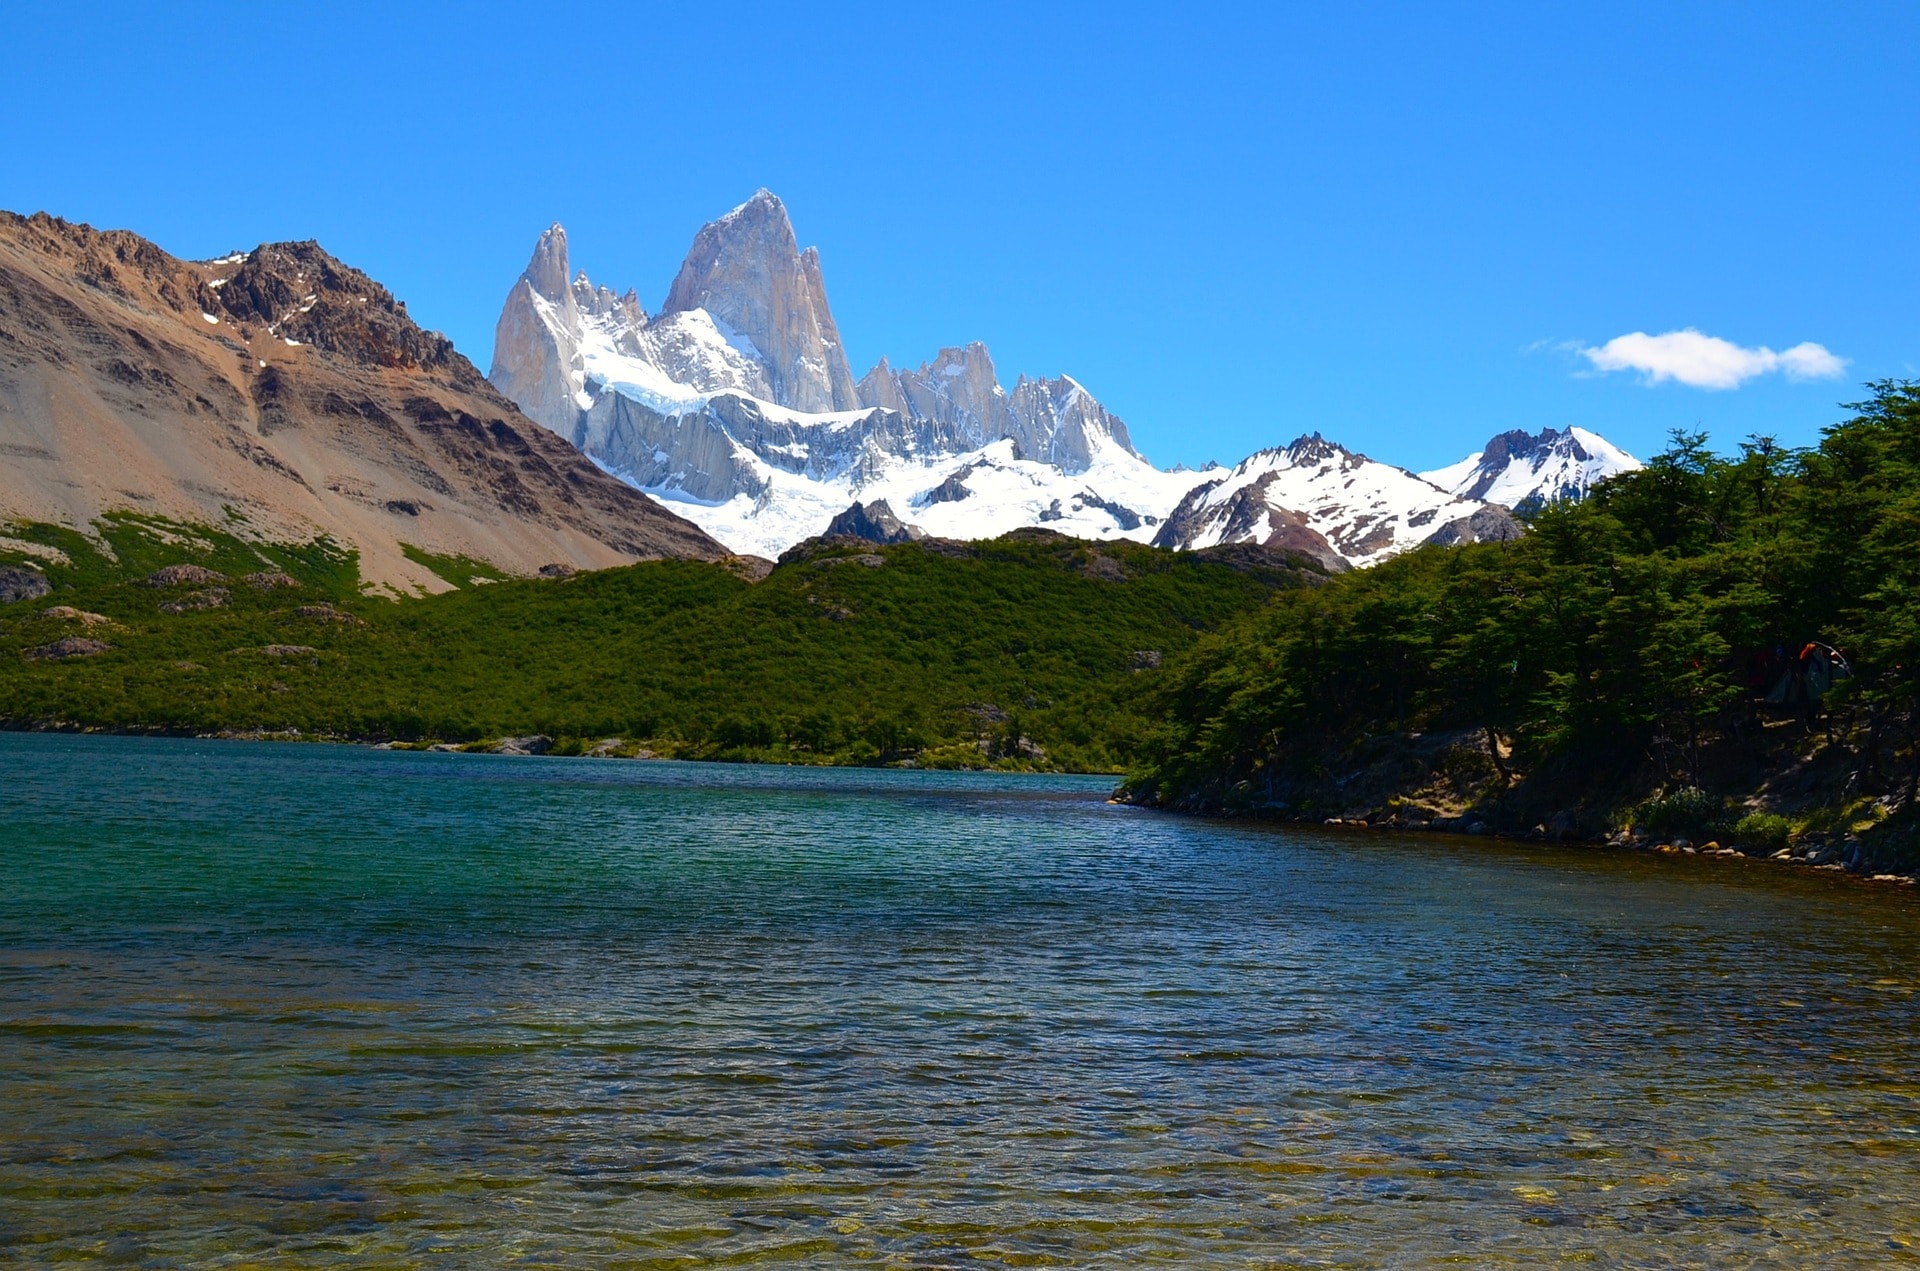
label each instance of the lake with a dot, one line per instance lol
(291, 1005)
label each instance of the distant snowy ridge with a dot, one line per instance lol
(1322, 499)
(736, 407)
(1519, 469)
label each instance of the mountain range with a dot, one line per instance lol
(281, 392)
(284, 394)
(735, 404)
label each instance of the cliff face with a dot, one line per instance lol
(288, 391)
(747, 271)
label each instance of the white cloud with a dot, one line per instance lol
(1705, 361)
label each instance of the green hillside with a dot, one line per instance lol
(1033, 650)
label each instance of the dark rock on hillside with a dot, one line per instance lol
(183, 576)
(17, 583)
(1489, 525)
(875, 523)
(193, 601)
(952, 490)
(67, 647)
(1125, 517)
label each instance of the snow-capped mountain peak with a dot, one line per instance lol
(1316, 496)
(735, 404)
(1521, 470)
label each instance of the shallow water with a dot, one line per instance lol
(305, 1006)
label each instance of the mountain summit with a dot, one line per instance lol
(736, 405)
(1522, 469)
(746, 270)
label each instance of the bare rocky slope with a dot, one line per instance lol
(288, 395)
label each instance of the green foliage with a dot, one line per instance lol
(1015, 653)
(129, 546)
(1686, 811)
(1636, 629)
(1763, 829)
(455, 571)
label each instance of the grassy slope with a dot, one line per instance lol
(931, 655)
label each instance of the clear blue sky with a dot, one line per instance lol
(1396, 224)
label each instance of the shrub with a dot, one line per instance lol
(1763, 829)
(1688, 810)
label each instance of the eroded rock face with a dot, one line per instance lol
(533, 343)
(747, 270)
(956, 397)
(956, 404)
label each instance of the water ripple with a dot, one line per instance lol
(315, 1006)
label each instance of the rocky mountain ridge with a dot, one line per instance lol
(735, 405)
(281, 391)
(1521, 470)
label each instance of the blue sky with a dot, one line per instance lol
(1400, 225)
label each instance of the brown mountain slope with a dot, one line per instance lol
(293, 390)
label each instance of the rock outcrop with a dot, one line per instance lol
(18, 582)
(288, 390)
(875, 522)
(1491, 524)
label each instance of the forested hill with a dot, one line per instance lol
(1034, 650)
(1608, 670)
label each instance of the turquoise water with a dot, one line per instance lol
(313, 1006)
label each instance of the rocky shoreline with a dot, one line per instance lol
(1845, 854)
